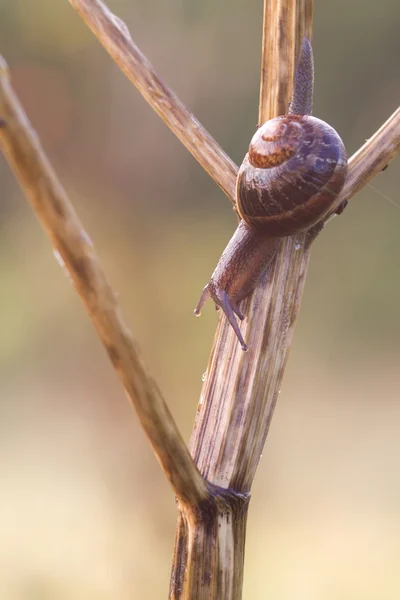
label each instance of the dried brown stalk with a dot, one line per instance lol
(373, 157)
(58, 218)
(240, 390)
(114, 35)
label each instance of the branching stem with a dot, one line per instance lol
(240, 389)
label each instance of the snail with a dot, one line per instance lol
(289, 180)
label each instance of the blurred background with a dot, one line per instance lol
(85, 512)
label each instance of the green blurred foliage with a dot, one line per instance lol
(84, 509)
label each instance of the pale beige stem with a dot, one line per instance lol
(373, 156)
(50, 202)
(114, 35)
(240, 389)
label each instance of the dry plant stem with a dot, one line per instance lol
(240, 389)
(373, 156)
(58, 218)
(277, 49)
(113, 34)
(365, 164)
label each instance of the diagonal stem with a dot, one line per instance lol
(70, 241)
(372, 157)
(114, 35)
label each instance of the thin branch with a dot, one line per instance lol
(373, 156)
(114, 35)
(49, 201)
(365, 164)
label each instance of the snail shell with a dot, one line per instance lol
(290, 179)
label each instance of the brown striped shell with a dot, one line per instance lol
(289, 180)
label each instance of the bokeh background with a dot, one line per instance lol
(85, 512)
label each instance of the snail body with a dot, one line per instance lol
(289, 180)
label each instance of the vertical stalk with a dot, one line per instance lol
(209, 549)
(240, 389)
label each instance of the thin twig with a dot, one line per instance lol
(373, 156)
(50, 202)
(114, 35)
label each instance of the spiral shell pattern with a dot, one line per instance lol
(289, 180)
